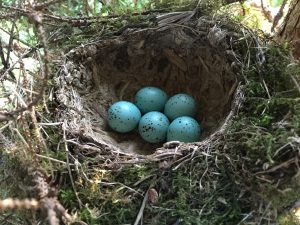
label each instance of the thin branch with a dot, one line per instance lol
(10, 43)
(18, 39)
(12, 67)
(40, 6)
(11, 203)
(78, 21)
(2, 57)
(54, 160)
(140, 214)
(278, 15)
(265, 12)
(68, 166)
(282, 165)
(37, 21)
(297, 85)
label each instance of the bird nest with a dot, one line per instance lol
(197, 58)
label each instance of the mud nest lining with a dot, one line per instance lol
(196, 58)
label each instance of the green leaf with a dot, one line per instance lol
(276, 3)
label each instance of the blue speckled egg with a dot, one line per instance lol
(180, 105)
(150, 99)
(184, 129)
(153, 127)
(123, 116)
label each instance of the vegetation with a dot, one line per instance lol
(250, 174)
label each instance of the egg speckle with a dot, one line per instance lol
(180, 105)
(123, 116)
(153, 127)
(150, 99)
(184, 129)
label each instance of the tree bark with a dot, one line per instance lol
(290, 30)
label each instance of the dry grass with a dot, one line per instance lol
(230, 177)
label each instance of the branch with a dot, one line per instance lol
(265, 12)
(8, 15)
(278, 15)
(41, 6)
(11, 203)
(46, 202)
(3, 73)
(5, 66)
(10, 43)
(36, 19)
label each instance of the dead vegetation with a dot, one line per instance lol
(245, 171)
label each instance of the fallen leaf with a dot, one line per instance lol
(152, 196)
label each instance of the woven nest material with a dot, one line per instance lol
(196, 58)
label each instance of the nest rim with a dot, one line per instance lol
(168, 149)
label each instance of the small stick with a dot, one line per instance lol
(68, 165)
(52, 159)
(36, 19)
(278, 15)
(22, 139)
(10, 43)
(39, 6)
(295, 82)
(273, 169)
(2, 57)
(140, 214)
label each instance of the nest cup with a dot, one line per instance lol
(195, 59)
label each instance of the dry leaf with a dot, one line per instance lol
(152, 196)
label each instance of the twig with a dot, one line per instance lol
(37, 133)
(2, 57)
(10, 42)
(265, 12)
(18, 39)
(50, 124)
(37, 20)
(273, 169)
(22, 139)
(278, 15)
(52, 159)
(76, 21)
(46, 201)
(8, 15)
(295, 82)
(11, 203)
(47, 197)
(266, 88)
(68, 165)
(245, 218)
(9, 69)
(129, 188)
(143, 179)
(73, 20)
(204, 173)
(40, 6)
(265, 213)
(182, 160)
(140, 214)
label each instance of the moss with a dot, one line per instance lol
(215, 187)
(289, 219)
(14, 175)
(188, 196)
(109, 202)
(211, 190)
